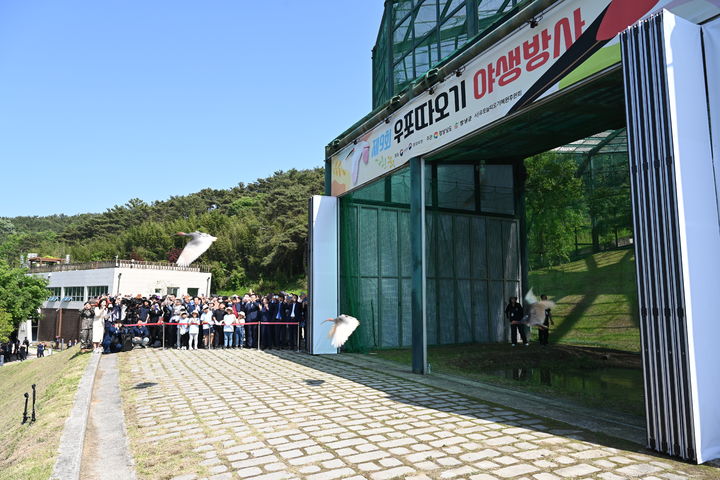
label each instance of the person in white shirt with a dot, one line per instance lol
(206, 319)
(193, 330)
(228, 323)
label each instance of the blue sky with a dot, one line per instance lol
(103, 101)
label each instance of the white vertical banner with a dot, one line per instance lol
(698, 222)
(711, 42)
(323, 272)
(707, 354)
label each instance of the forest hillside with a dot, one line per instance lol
(261, 231)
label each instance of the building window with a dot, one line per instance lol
(158, 290)
(193, 292)
(172, 291)
(97, 291)
(55, 293)
(76, 294)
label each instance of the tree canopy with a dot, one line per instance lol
(555, 207)
(261, 230)
(20, 296)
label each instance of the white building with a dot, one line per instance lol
(71, 285)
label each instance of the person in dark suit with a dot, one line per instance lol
(276, 315)
(251, 315)
(167, 330)
(303, 319)
(218, 316)
(294, 314)
(264, 316)
(155, 316)
(514, 313)
(112, 341)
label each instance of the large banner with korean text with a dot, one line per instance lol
(531, 62)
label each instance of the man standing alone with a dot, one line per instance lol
(514, 313)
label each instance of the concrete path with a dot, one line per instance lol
(282, 415)
(67, 466)
(106, 454)
(614, 424)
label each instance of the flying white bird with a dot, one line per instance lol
(197, 245)
(536, 309)
(342, 327)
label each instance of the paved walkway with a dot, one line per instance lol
(282, 415)
(106, 453)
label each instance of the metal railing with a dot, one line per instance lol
(65, 267)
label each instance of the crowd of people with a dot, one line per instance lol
(111, 324)
(15, 349)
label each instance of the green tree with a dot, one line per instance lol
(20, 294)
(6, 326)
(261, 229)
(6, 228)
(608, 198)
(554, 207)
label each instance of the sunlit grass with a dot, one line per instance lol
(596, 300)
(29, 451)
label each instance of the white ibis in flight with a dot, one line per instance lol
(342, 327)
(198, 244)
(536, 314)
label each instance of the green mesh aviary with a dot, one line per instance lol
(472, 243)
(472, 247)
(602, 161)
(416, 35)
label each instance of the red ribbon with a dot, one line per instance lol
(220, 325)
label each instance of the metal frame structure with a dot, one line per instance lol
(677, 241)
(416, 35)
(603, 166)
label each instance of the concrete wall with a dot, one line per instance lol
(126, 281)
(148, 281)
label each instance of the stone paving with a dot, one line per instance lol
(284, 415)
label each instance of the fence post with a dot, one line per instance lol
(257, 336)
(32, 419)
(25, 415)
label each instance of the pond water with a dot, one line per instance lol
(623, 384)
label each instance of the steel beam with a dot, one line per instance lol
(418, 260)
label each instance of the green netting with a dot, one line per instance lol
(602, 163)
(472, 259)
(416, 35)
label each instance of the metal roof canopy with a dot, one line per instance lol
(579, 112)
(608, 141)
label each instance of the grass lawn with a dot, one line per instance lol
(29, 451)
(596, 301)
